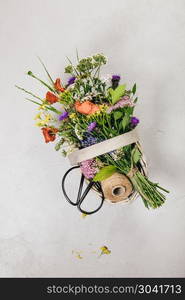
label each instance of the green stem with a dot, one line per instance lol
(27, 92)
(41, 81)
(49, 76)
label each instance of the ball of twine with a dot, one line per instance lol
(117, 187)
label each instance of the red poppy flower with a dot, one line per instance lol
(49, 134)
(58, 85)
(51, 98)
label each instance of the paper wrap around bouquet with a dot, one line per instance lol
(117, 187)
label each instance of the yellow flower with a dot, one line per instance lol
(73, 116)
(38, 116)
(48, 118)
(105, 250)
(103, 107)
(43, 106)
(41, 123)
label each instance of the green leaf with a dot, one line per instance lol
(117, 115)
(135, 100)
(104, 173)
(136, 155)
(117, 93)
(134, 89)
(125, 121)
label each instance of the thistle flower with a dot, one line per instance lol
(115, 81)
(91, 126)
(134, 121)
(89, 168)
(63, 116)
(116, 77)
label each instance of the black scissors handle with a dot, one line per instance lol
(63, 186)
(80, 196)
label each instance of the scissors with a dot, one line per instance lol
(80, 196)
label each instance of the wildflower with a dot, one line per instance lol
(42, 107)
(58, 85)
(49, 134)
(45, 121)
(86, 108)
(78, 132)
(91, 126)
(115, 81)
(115, 77)
(134, 121)
(63, 116)
(89, 140)
(40, 123)
(106, 79)
(89, 168)
(125, 101)
(73, 116)
(104, 250)
(51, 98)
(38, 116)
(71, 80)
(103, 107)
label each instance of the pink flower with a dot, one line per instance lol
(125, 101)
(89, 168)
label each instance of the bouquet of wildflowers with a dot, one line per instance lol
(86, 112)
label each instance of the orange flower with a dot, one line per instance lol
(49, 134)
(86, 108)
(58, 85)
(51, 98)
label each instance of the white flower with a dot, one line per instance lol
(106, 79)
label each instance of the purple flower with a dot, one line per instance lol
(89, 140)
(116, 77)
(71, 80)
(134, 121)
(63, 116)
(91, 126)
(88, 168)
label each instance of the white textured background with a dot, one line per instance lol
(145, 42)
